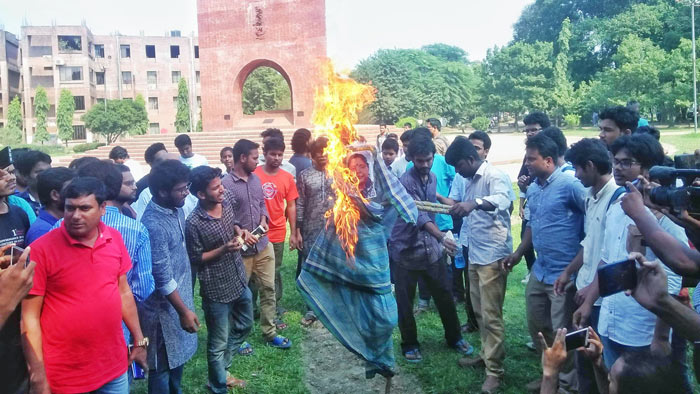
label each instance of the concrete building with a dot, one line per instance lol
(95, 67)
(9, 72)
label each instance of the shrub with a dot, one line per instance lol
(408, 119)
(572, 121)
(481, 123)
(80, 148)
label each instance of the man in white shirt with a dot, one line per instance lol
(183, 143)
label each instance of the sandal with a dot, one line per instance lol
(413, 356)
(308, 319)
(234, 383)
(245, 349)
(280, 324)
(280, 342)
(464, 347)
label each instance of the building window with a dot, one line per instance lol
(151, 51)
(196, 51)
(79, 103)
(79, 132)
(153, 103)
(100, 77)
(196, 74)
(99, 50)
(199, 102)
(69, 43)
(71, 73)
(152, 79)
(174, 51)
(154, 128)
(176, 77)
(126, 77)
(124, 51)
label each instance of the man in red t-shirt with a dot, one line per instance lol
(278, 187)
(73, 339)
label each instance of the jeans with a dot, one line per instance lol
(613, 350)
(164, 380)
(119, 385)
(436, 279)
(227, 327)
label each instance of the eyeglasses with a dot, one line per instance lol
(531, 129)
(183, 190)
(625, 164)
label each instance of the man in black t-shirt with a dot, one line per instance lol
(14, 224)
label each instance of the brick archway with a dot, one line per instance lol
(243, 76)
(236, 37)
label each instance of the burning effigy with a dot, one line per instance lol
(345, 278)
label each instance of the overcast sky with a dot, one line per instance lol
(356, 28)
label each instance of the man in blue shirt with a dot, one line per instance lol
(49, 185)
(555, 230)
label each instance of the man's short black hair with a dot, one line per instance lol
(393, 136)
(182, 140)
(544, 145)
(558, 137)
(272, 132)
(85, 186)
(27, 160)
(408, 124)
(642, 147)
(152, 150)
(243, 147)
(419, 132)
(300, 141)
(76, 164)
(390, 144)
(201, 176)
(406, 136)
(460, 149)
(652, 131)
(107, 173)
(435, 123)
(318, 146)
(623, 117)
(483, 137)
(122, 168)
(52, 179)
(164, 176)
(537, 117)
(118, 153)
(273, 144)
(593, 150)
(645, 373)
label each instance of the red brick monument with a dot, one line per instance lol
(238, 36)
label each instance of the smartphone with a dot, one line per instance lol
(577, 339)
(258, 232)
(616, 277)
(136, 371)
(635, 183)
(15, 252)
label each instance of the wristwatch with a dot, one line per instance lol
(142, 343)
(478, 202)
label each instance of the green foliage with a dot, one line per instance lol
(265, 89)
(51, 150)
(481, 123)
(572, 121)
(64, 116)
(41, 110)
(448, 53)
(117, 118)
(407, 119)
(182, 117)
(80, 148)
(415, 83)
(12, 133)
(563, 87)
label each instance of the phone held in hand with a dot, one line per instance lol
(258, 232)
(616, 277)
(15, 252)
(136, 371)
(576, 339)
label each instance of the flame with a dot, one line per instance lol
(336, 108)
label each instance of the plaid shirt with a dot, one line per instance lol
(223, 279)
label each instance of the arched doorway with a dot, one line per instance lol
(266, 94)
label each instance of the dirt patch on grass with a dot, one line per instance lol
(332, 369)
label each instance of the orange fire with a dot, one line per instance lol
(336, 108)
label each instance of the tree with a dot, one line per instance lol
(116, 118)
(563, 88)
(64, 116)
(182, 118)
(13, 131)
(139, 117)
(41, 110)
(448, 53)
(265, 89)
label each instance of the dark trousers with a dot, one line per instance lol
(529, 254)
(471, 316)
(435, 276)
(423, 289)
(584, 367)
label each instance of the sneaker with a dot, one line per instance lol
(491, 385)
(526, 279)
(471, 362)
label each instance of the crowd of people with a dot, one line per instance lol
(100, 259)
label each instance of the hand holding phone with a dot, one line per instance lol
(616, 277)
(576, 339)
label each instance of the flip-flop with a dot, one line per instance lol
(464, 347)
(280, 342)
(234, 383)
(245, 349)
(308, 319)
(413, 356)
(280, 324)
